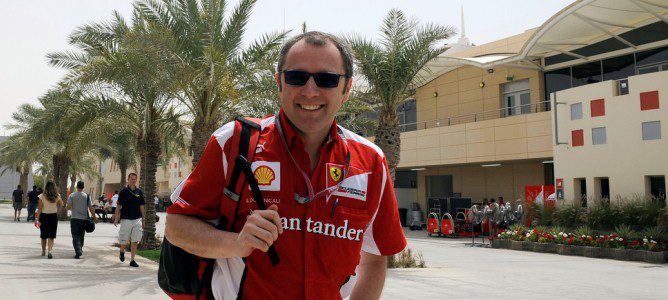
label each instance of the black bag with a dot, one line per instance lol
(89, 225)
(179, 271)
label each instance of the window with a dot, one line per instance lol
(516, 98)
(557, 80)
(651, 130)
(577, 138)
(657, 56)
(580, 190)
(586, 73)
(407, 115)
(598, 136)
(576, 111)
(618, 67)
(598, 108)
(603, 188)
(656, 187)
(649, 100)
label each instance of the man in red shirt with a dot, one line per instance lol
(332, 215)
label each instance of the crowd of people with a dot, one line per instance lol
(125, 208)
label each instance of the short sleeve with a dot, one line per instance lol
(69, 199)
(201, 192)
(384, 235)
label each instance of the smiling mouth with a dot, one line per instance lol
(310, 107)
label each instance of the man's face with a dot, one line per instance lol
(132, 180)
(310, 108)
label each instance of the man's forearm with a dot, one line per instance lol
(371, 272)
(199, 238)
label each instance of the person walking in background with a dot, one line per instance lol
(131, 214)
(80, 204)
(32, 203)
(17, 201)
(114, 202)
(47, 217)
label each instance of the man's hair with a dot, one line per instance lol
(319, 39)
(80, 184)
(115, 192)
(34, 187)
(132, 174)
(18, 187)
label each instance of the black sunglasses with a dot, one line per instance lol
(322, 79)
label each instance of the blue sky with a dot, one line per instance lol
(29, 29)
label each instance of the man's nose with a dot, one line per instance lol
(310, 89)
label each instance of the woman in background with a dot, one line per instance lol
(47, 216)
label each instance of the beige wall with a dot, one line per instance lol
(460, 95)
(167, 177)
(625, 159)
(512, 138)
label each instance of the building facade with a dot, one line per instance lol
(577, 102)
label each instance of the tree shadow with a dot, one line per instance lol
(95, 269)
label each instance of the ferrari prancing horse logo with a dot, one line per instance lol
(335, 173)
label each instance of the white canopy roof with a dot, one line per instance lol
(582, 23)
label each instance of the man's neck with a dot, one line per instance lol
(132, 187)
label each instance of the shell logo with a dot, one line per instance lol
(264, 175)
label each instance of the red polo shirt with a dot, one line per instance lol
(322, 239)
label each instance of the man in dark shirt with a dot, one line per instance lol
(17, 201)
(131, 214)
(33, 199)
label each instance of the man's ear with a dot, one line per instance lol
(346, 89)
(277, 77)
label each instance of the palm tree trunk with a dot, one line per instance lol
(100, 179)
(61, 165)
(150, 152)
(201, 133)
(388, 137)
(73, 182)
(123, 167)
(23, 179)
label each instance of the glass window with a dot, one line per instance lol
(586, 73)
(516, 97)
(653, 56)
(651, 130)
(618, 67)
(650, 69)
(407, 115)
(598, 136)
(557, 80)
(576, 111)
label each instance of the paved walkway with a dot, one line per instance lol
(455, 271)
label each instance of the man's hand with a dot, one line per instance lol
(143, 224)
(116, 222)
(260, 231)
(95, 219)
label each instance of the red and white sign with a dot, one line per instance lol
(560, 183)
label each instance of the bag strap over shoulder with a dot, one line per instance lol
(246, 136)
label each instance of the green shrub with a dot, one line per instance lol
(584, 230)
(570, 215)
(654, 233)
(625, 232)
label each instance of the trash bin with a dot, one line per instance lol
(403, 213)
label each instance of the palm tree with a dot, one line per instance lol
(391, 66)
(16, 156)
(212, 72)
(118, 59)
(54, 130)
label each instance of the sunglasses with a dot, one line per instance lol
(322, 79)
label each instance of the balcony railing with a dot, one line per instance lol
(479, 116)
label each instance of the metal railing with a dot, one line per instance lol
(478, 116)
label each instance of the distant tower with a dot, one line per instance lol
(463, 40)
